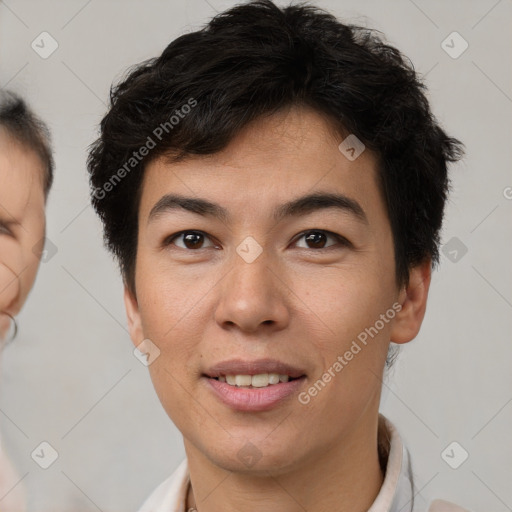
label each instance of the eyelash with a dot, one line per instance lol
(342, 241)
(5, 230)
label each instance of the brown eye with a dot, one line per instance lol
(193, 240)
(317, 239)
(190, 240)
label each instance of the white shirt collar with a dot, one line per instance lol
(395, 495)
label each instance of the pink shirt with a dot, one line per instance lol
(396, 493)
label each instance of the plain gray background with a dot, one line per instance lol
(71, 378)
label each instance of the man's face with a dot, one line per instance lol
(22, 223)
(250, 288)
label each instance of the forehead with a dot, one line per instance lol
(18, 155)
(280, 156)
(21, 175)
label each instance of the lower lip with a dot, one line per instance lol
(253, 399)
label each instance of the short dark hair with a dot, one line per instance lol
(254, 60)
(29, 130)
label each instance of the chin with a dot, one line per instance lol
(241, 455)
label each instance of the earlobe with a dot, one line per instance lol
(413, 300)
(133, 316)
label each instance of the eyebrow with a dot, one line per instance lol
(294, 208)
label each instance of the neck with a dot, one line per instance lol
(344, 478)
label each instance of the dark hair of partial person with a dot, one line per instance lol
(254, 60)
(27, 129)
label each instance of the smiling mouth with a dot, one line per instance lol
(254, 386)
(261, 380)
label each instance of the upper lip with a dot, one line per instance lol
(256, 367)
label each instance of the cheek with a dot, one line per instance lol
(28, 276)
(348, 334)
(170, 304)
(169, 320)
(343, 301)
(31, 252)
(160, 310)
(9, 286)
(173, 317)
(12, 272)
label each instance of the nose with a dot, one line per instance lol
(253, 297)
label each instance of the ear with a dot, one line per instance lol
(413, 300)
(133, 315)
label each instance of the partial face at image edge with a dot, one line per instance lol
(22, 224)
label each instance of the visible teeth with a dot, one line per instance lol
(261, 380)
(273, 378)
(243, 380)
